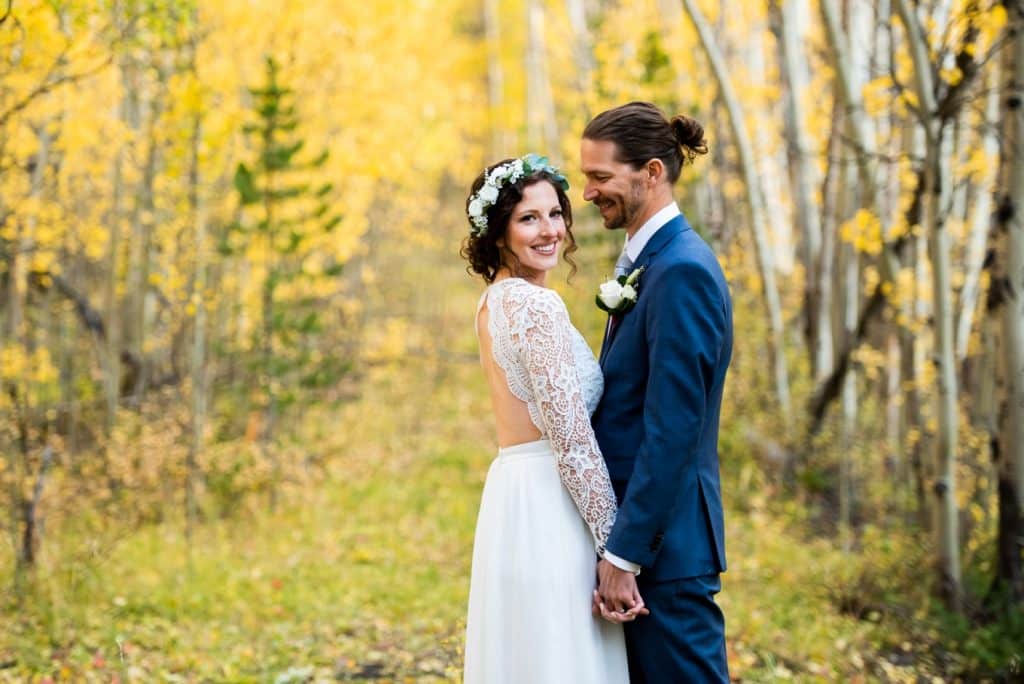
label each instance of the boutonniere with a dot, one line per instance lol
(619, 295)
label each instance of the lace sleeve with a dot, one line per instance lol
(542, 338)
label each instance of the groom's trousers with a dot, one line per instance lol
(682, 641)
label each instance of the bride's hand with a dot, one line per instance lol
(620, 599)
(599, 609)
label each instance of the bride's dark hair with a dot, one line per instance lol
(483, 253)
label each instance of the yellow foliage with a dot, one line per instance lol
(976, 165)
(952, 75)
(36, 367)
(863, 231)
(877, 95)
(871, 279)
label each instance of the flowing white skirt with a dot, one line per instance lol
(533, 573)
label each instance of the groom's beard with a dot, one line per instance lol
(629, 207)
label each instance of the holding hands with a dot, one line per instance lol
(616, 597)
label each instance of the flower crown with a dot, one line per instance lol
(509, 172)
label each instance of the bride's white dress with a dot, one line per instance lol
(546, 506)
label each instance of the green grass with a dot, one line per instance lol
(362, 573)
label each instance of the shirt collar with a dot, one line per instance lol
(635, 245)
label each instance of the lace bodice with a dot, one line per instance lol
(549, 367)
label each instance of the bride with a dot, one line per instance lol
(547, 505)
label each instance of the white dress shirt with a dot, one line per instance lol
(634, 246)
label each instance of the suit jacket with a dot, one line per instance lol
(664, 365)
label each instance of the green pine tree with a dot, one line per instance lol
(285, 214)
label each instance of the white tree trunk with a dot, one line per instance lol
(542, 126)
(860, 126)
(933, 224)
(762, 246)
(671, 15)
(136, 285)
(805, 183)
(582, 51)
(1011, 427)
(979, 227)
(199, 330)
(501, 143)
(770, 165)
(849, 306)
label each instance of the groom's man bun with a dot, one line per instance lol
(641, 132)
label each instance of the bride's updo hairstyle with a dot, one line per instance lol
(481, 248)
(642, 133)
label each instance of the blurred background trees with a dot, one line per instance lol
(222, 223)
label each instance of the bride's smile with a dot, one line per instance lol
(535, 230)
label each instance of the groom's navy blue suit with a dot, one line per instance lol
(664, 365)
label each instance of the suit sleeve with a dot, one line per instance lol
(685, 328)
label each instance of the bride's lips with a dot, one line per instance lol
(546, 250)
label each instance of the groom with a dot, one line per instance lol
(664, 364)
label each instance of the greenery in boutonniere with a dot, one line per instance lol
(619, 295)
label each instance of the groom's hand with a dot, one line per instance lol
(620, 600)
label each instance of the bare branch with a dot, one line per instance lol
(7, 12)
(91, 318)
(47, 85)
(829, 390)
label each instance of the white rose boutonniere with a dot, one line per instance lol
(619, 295)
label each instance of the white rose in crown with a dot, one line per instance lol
(488, 194)
(476, 208)
(619, 295)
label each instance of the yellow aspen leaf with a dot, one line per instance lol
(43, 261)
(996, 18)
(863, 231)
(877, 95)
(871, 278)
(12, 363)
(978, 162)
(952, 75)
(44, 370)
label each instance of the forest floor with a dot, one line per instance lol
(361, 574)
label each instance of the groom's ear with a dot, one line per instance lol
(655, 170)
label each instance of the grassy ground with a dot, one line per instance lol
(362, 574)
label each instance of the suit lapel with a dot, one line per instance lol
(658, 242)
(604, 341)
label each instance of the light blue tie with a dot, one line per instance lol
(623, 265)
